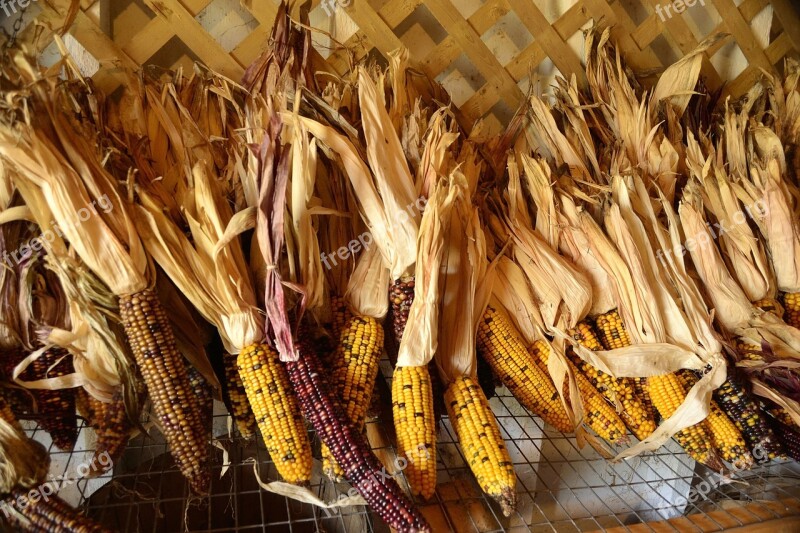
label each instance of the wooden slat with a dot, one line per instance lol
(551, 42)
(758, 517)
(740, 29)
(378, 28)
(789, 20)
(475, 49)
(679, 33)
(205, 47)
(373, 26)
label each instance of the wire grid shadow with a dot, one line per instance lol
(560, 487)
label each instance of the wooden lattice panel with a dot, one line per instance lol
(483, 51)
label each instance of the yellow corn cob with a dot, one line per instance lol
(355, 369)
(728, 440)
(415, 426)
(640, 387)
(791, 303)
(771, 306)
(481, 442)
(600, 416)
(665, 392)
(237, 399)
(668, 394)
(748, 350)
(501, 346)
(612, 334)
(620, 392)
(164, 371)
(611, 330)
(276, 411)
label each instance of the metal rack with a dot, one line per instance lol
(560, 487)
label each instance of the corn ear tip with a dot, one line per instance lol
(507, 500)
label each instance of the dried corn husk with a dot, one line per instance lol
(466, 286)
(420, 339)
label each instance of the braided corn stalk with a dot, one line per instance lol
(277, 412)
(479, 436)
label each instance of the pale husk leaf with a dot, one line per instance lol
(391, 173)
(366, 288)
(420, 339)
(466, 287)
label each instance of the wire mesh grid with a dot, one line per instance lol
(560, 487)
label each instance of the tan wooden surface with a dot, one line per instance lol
(383, 25)
(781, 516)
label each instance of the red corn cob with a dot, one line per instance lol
(349, 447)
(50, 515)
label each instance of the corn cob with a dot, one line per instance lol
(611, 330)
(40, 514)
(412, 407)
(348, 446)
(640, 388)
(500, 345)
(276, 412)
(110, 423)
(237, 399)
(202, 390)
(6, 412)
(667, 393)
(736, 402)
(619, 392)
(340, 314)
(780, 414)
(56, 408)
(791, 303)
(770, 305)
(728, 440)
(164, 371)
(483, 446)
(748, 350)
(356, 367)
(401, 295)
(789, 436)
(599, 415)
